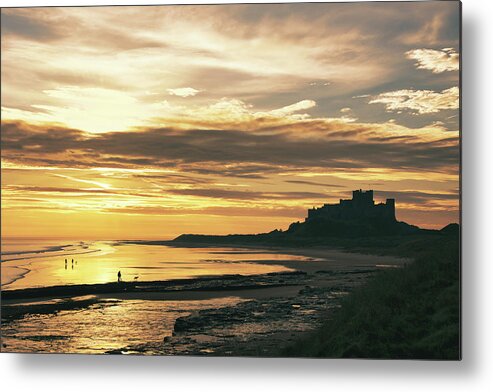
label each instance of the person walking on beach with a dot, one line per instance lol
(119, 276)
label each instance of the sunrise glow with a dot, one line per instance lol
(122, 123)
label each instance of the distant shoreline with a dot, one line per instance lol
(313, 251)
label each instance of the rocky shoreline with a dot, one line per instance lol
(262, 326)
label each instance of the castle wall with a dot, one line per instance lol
(362, 206)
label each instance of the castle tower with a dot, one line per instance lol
(390, 203)
(363, 198)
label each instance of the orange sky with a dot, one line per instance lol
(149, 122)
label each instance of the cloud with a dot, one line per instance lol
(214, 193)
(91, 182)
(195, 109)
(437, 61)
(313, 183)
(50, 189)
(172, 179)
(257, 152)
(27, 27)
(348, 115)
(264, 55)
(221, 51)
(257, 211)
(226, 113)
(296, 107)
(420, 101)
(183, 92)
(416, 197)
(246, 195)
(93, 109)
(98, 110)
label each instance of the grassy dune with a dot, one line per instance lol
(409, 313)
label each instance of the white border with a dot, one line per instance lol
(88, 373)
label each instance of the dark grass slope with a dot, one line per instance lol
(409, 313)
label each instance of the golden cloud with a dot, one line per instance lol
(420, 101)
(436, 61)
(183, 91)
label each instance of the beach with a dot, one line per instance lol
(222, 301)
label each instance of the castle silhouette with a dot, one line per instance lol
(360, 207)
(359, 217)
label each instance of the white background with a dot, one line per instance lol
(473, 373)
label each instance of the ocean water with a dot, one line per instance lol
(126, 327)
(41, 263)
(111, 325)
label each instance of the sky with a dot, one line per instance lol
(152, 121)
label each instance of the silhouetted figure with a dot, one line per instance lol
(119, 276)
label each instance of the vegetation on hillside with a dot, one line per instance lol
(408, 313)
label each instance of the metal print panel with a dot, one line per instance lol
(270, 180)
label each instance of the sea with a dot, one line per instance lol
(28, 263)
(130, 326)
